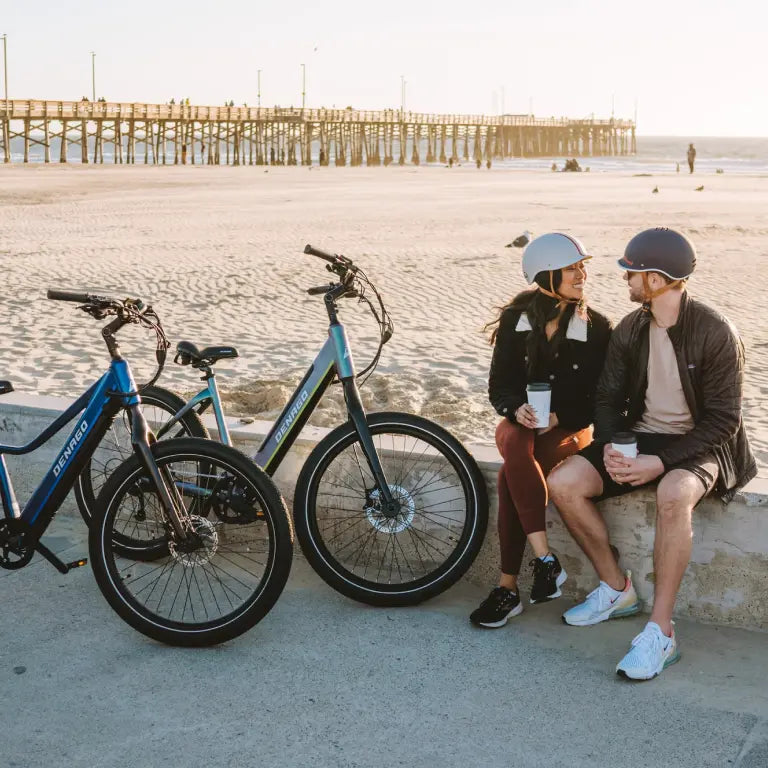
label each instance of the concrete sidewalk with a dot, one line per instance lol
(324, 681)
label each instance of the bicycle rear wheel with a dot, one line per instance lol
(158, 406)
(213, 587)
(405, 558)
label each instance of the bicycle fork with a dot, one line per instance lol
(357, 415)
(142, 438)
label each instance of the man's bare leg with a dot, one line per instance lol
(677, 495)
(571, 487)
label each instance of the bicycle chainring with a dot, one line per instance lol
(234, 504)
(14, 554)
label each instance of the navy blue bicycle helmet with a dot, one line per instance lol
(660, 250)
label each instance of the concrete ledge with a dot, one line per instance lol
(726, 582)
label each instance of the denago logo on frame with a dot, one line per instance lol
(292, 414)
(69, 450)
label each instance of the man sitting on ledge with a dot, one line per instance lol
(673, 375)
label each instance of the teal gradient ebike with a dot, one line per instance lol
(389, 508)
(184, 571)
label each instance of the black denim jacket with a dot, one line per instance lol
(573, 372)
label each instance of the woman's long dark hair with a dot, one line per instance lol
(540, 309)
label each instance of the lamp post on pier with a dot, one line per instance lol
(258, 86)
(7, 120)
(402, 96)
(303, 85)
(93, 74)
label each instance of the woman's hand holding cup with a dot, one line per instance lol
(526, 416)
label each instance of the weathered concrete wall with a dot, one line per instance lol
(726, 582)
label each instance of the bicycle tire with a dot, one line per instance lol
(272, 520)
(190, 425)
(311, 518)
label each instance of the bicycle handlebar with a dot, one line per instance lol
(320, 254)
(78, 298)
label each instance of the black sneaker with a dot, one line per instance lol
(547, 579)
(499, 606)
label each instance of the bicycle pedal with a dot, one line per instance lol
(55, 562)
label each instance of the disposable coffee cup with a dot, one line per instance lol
(540, 399)
(625, 443)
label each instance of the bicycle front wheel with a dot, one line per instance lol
(158, 405)
(207, 587)
(397, 558)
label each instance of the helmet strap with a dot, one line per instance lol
(649, 295)
(562, 300)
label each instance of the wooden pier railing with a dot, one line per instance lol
(189, 134)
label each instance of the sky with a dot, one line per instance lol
(690, 68)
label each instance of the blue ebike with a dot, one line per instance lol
(182, 570)
(389, 508)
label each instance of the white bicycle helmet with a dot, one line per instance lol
(552, 251)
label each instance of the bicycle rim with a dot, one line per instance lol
(209, 588)
(407, 552)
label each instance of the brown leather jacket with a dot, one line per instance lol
(710, 359)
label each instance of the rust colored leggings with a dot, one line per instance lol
(528, 458)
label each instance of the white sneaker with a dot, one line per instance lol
(651, 652)
(604, 603)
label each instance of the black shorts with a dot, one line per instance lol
(704, 467)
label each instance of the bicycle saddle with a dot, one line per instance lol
(187, 353)
(5, 387)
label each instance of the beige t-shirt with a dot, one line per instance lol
(666, 410)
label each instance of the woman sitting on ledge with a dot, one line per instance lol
(547, 337)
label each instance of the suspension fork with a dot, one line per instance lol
(171, 500)
(357, 415)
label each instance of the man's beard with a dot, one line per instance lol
(635, 296)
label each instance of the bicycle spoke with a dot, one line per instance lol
(391, 548)
(201, 579)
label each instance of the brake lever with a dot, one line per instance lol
(97, 313)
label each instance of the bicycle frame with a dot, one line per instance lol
(335, 357)
(95, 410)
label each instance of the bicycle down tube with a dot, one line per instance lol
(95, 411)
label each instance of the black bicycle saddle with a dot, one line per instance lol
(188, 353)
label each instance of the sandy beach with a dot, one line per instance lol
(218, 251)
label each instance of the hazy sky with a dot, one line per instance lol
(696, 67)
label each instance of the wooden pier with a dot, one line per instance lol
(163, 134)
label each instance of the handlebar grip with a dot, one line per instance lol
(79, 298)
(320, 254)
(319, 289)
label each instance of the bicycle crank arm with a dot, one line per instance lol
(60, 566)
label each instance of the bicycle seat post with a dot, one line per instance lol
(209, 378)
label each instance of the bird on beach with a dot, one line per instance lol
(521, 240)
(655, 190)
(699, 189)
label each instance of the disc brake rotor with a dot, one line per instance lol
(383, 523)
(209, 543)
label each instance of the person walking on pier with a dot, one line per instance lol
(691, 156)
(673, 377)
(546, 336)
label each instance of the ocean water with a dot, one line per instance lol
(654, 154)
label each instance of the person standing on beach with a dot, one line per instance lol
(545, 335)
(673, 376)
(691, 156)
